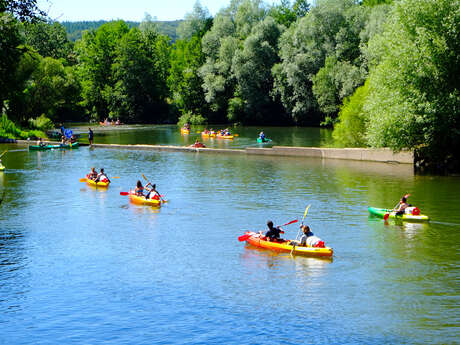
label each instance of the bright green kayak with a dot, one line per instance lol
(264, 140)
(49, 147)
(380, 212)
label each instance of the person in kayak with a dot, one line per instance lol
(139, 191)
(152, 192)
(93, 174)
(402, 205)
(262, 135)
(40, 142)
(197, 144)
(102, 177)
(273, 234)
(309, 239)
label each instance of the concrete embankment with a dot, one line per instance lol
(355, 154)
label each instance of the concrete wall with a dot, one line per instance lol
(356, 154)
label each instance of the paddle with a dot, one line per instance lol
(126, 193)
(246, 236)
(3, 153)
(304, 215)
(83, 179)
(162, 200)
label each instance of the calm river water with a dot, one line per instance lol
(84, 266)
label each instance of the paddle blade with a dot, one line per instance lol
(305, 214)
(292, 221)
(243, 237)
(385, 217)
(145, 178)
(83, 180)
(124, 193)
(236, 135)
(115, 176)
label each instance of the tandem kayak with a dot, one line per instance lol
(50, 147)
(380, 212)
(140, 200)
(264, 140)
(184, 131)
(208, 135)
(258, 240)
(99, 184)
(224, 136)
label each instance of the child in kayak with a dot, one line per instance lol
(309, 239)
(93, 174)
(273, 234)
(102, 177)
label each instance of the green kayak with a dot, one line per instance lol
(264, 140)
(380, 212)
(50, 147)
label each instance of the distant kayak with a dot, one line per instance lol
(224, 136)
(380, 212)
(184, 131)
(99, 184)
(140, 200)
(264, 140)
(50, 147)
(258, 240)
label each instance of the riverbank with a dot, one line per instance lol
(356, 154)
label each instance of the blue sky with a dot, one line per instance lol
(76, 10)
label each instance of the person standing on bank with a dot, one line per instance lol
(90, 136)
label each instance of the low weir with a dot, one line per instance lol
(383, 155)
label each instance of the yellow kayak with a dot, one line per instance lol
(99, 184)
(2, 167)
(224, 136)
(208, 135)
(184, 131)
(141, 200)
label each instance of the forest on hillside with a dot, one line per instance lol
(382, 73)
(75, 29)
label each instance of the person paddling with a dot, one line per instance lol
(402, 205)
(102, 177)
(273, 234)
(93, 174)
(152, 192)
(139, 191)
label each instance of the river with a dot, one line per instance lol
(83, 265)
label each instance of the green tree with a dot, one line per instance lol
(49, 39)
(194, 22)
(96, 54)
(331, 28)
(23, 10)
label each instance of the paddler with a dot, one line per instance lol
(93, 174)
(273, 234)
(402, 205)
(309, 239)
(262, 135)
(152, 192)
(102, 177)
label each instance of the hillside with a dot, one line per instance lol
(74, 29)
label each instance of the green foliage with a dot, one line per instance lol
(75, 30)
(331, 28)
(194, 22)
(9, 130)
(42, 123)
(49, 39)
(351, 128)
(193, 119)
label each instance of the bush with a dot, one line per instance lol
(9, 130)
(42, 123)
(191, 119)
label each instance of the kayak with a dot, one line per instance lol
(2, 167)
(140, 200)
(208, 135)
(224, 136)
(50, 147)
(93, 183)
(184, 131)
(380, 212)
(264, 140)
(257, 240)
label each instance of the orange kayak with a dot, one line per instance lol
(258, 240)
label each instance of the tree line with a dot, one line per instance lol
(382, 73)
